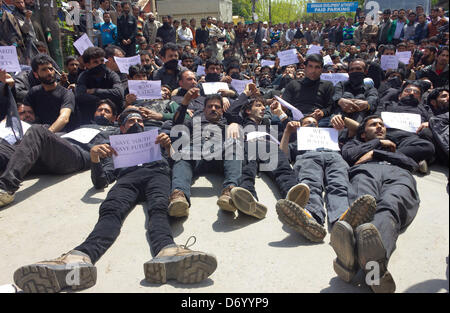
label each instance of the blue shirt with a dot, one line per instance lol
(108, 31)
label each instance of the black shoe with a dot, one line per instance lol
(343, 242)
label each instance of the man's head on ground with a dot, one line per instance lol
(438, 99)
(131, 121)
(372, 127)
(72, 65)
(166, 92)
(411, 93)
(213, 108)
(255, 109)
(93, 59)
(309, 121)
(26, 113)
(105, 113)
(313, 66)
(43, 70)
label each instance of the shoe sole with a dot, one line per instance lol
(299, 194)
(343, 242)
(179, 208)
(244, 202)
(188, 269)
(226, 205)
(294, 216)
(37, 278)
(370, 249)
(361, 211)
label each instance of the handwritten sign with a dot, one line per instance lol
(389, 62)
(135, 149)
(213, 88)
(9, 61)
(313, 49)
(288, 57)
(82, 44)
(201, 70)
(409, 122)
(145, 89)
(404, 56)
(334, 77)
(312, 138)
(296, 113)
(240, 85)
(268, 63)
(124, 63)
(83, 135)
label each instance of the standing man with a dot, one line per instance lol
(184, 34)
(49, 21)
(384, 31)
(151, 28)
(202, 34)
(108, 30)
(10, 33)
(127, 31)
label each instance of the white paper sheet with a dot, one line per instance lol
(145, 89)
(83, 135)
(9, 61)
(312, 138)
(296, 113)
(124, 63)
(405, 121)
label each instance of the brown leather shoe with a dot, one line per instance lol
(71, 270)
(180, 263)
(225, 202)
(178, 205)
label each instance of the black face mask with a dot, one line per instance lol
(136, 128)
(98, 70)
(171, 65)
(103, 121)
(148, 67)
(394, 82)
(409, 100)
(212, 77)
(356, 78)
(371, 50)
(265, 82)
(236, 76)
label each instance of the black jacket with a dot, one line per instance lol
(167, 33)
(202, 36)
(126, 28)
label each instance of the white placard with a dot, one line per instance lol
(288, 57)
(124, 63)
(240, 85)
(404, 57)
(213, 88)
(312, 138)
(201, 70)
(314, 49)
(296, 113)
(82, 44)
(389, 62)
(145, 89)
(254, 135)
(135, 149)
(334, 77)
(7, 133)
(409, 122)
(83, 135)
(9, 61)
(267, 63)
(327, 60)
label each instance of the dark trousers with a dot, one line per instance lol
(397, 199)
(41, 149)
(282, 174)
(151, 185)
(324, 171)
(412, 145)
(6, 151)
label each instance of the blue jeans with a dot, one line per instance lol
(183, 172)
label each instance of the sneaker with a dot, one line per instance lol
(179, 263)
(178, 204)
(72, 270)
(299, 194)
(361, 211)
(225, 202)
(299, 219)
(343, 242)
(247, 204)
(6, 197)
(370, 249)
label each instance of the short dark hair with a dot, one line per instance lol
(186, 56)
(41, 59)
(214, 97)
(181, 73)
(434, 94)
(317, 58)
(389, 47)
(111, 104)
(362, 125)
(69, 59)
(136, 70)
(93, 53)
(251, 102)
(127, 112)
(414, 83)
(110, 51)
(166, 47)
(212, 61)
(442, 49)
(233, 66)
